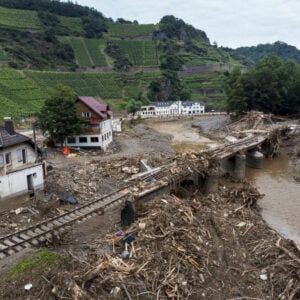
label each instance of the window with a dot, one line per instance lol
(86, 114)
(8, 158)
(71, 140)
(83, 139)
(1, 161)
(22, 155)
(94, 139)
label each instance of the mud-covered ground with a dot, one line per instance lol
(192, 247)
(291, 146)
(92, 173)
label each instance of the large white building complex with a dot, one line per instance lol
(172, 108)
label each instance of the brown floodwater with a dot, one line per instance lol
(281, 202)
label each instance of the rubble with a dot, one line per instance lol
(201, 162)
(89, 179)
(198, 247)
(205, 247)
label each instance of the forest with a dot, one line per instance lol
(281, 49)
(271, 86)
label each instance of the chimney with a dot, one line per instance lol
(9, 126)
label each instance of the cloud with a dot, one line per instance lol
(231, 23)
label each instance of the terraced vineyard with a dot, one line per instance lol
(22, 93)
(130, 30)
(19, 96)
(108, 85)
(3, 55)
(28, 19)
(18, 18)
(94, 47)
(140, 53)
(207, 88)
(136, 83)
(213, 56)
(87, 51)
(74, 25)
(81, 54)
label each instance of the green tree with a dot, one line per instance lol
(59, 117)
(168, 87)
(271, 86)
(93, 26)
(121, 62)
(133, 106)
(281, 49)
(173, 27)
(236, 101)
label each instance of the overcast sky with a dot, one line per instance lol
(231, 23)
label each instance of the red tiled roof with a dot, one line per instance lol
(93, 104)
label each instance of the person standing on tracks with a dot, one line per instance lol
(127, 214)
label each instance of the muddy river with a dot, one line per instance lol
(281, 203)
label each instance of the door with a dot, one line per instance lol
(30, 186)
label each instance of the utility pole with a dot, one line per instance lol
(34, 139)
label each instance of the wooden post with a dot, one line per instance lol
(34, 139)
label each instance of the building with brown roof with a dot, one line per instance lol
(99, 133)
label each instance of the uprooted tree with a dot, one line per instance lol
(59, 117)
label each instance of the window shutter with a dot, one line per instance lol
(19, 152)
(1, 161)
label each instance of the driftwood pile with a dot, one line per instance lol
(273, 142)
(199, 248)
(253, 120)
(200, 162)
(214, 247)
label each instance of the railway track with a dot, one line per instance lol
(229, 149)
(38, 233)
(45, 230)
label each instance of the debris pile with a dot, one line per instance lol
(253, 120)
(201, 162)
(247, 195)
(90, 179)
(213, 247)
(273, 142)
(201, 248)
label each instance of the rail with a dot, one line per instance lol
(40, 232)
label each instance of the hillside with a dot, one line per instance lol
(280, 49)
(77, 46)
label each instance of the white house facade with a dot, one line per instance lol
(100, 139)
(168, 108)
(20, 173)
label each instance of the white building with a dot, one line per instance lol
(99, 133)
(169, 108)
(20, 171)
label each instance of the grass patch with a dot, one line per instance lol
(44, 259)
